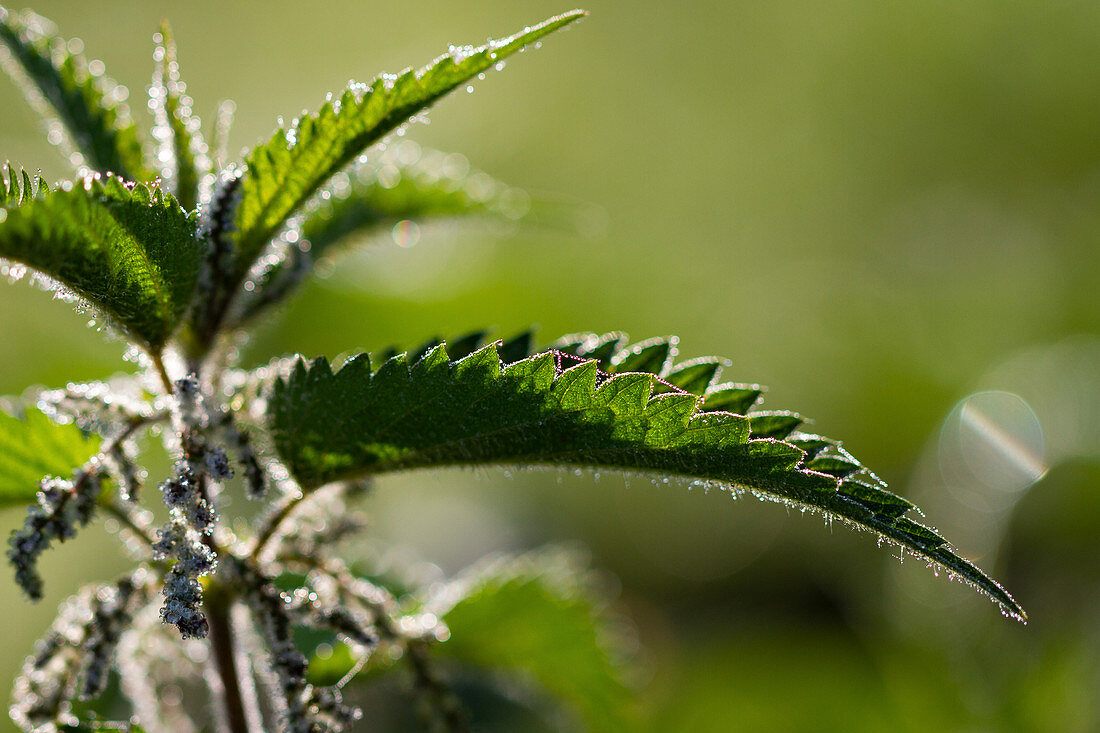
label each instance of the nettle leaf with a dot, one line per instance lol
(542, 615)
(537, 614)
(181, 150)
(402, 185)
(32, 448)
(560, 409)
(285, 172)
(423, 186)
(129, 250)
(73, 95)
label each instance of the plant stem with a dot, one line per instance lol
(162, 372)
(221, 647)
(444, 702)
(126, 518)
(273, 524)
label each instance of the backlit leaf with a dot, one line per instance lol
(32, 448)
(181, 151)
(129, 250)
(69, 92)
(282, 174)
(561, 410)
(536, 615)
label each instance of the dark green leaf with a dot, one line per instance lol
(695, 376)
(736, 398)
(438, 412)
(33, 448)
(653, 357)
(834, 466)
(463, 346)
(67, 92)
(131, 251)
(875, 498)
(812, 444)
(517, 348)
(776, 425)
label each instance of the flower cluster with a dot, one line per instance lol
(185, 537)
(182, 590)
(255, 482)
(306, 708)
(97, 407)
(74, 658)
(216, 224)
(63, 505)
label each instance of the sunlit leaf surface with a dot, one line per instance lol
(129, 250)
(559, 408)
(32, 448)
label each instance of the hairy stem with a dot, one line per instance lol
(272, 525)
(440, 697)
(126, 518)
(218, 605)
(162, 373)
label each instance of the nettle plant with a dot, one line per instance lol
(240, 616)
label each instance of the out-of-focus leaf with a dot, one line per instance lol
(181, 151)
(32, 448)
(67, 91)
(380, 194)
(407, 184)
(17, 189)
(537, 618)
(535, 615)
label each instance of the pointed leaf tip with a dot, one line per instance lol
(62, 88)
(286, 171)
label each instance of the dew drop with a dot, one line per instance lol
(406, 233)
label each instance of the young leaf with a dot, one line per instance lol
(283, 173)
(418, 186)
(129, 250)
(181, 151)
(546, 410)
(32, 448)
(72, 95)
(380, 194)
(540, 615)
(535, 614)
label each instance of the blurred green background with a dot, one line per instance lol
(880, 209)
